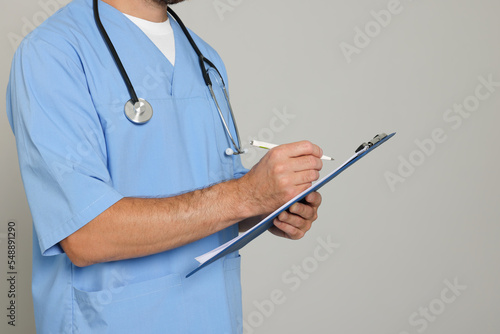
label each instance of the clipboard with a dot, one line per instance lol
(243, 239)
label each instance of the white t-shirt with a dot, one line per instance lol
(160, 33)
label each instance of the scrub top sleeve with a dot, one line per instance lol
(60, 141)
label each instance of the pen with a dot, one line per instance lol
(268, 146)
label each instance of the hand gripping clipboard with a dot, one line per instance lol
(243, 239)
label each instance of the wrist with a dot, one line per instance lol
(246, 197)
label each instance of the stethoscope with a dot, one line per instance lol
(140, 111)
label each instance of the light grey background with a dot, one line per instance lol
(399, 247)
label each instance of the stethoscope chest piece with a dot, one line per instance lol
(139, 112)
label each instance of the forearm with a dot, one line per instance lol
(135, 227)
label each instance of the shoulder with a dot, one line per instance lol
(61, 32)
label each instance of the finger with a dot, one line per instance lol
(295, 221)
(298, 164)
(277, 232)
(306, 176)
(290, 231)
(306, 162)
(305, 211)
(314, 199)
(302, 148)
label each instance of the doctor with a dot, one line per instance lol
(121, 209)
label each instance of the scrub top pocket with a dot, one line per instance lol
(146, 307)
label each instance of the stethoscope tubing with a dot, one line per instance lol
(113, 52)
(135, 102)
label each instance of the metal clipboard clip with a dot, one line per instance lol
(372, 142)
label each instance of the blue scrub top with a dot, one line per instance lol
(79, 155)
